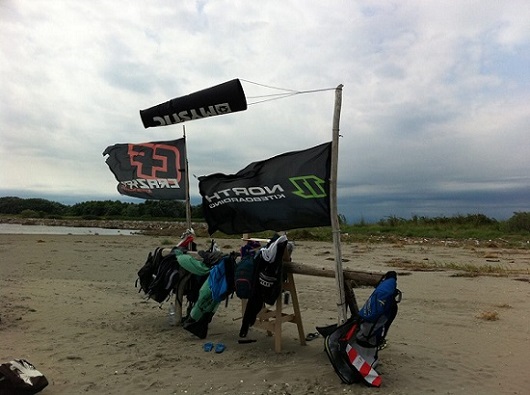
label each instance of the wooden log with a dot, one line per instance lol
(359, 278)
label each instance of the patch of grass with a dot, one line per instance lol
(466, 274)
(491, 255)
(480, 269)
(422, 266)
(524, 280)
(464, 269)
(488, 316)
(503, 306)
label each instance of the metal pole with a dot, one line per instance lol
(335, 226)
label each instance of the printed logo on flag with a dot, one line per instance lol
(150, 170)
(309, 187)
(153, 160)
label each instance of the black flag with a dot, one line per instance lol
(287, 191)
(217, 100)
(152, 170)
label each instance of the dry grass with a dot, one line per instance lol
(488, 315)
(462, 269)
(503, 306)
(491, 255)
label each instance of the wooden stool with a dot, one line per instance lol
(272, 319)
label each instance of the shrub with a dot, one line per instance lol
(29, 214)
(520, 221)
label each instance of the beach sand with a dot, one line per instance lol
(69, 305)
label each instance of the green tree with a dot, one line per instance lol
(519, 221)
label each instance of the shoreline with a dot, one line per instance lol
(166, 227)
(176, 228)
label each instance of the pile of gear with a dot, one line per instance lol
(254, 273)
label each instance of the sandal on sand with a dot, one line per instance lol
(208, 347)
(219, 348)
(312, 336)
(382, 345)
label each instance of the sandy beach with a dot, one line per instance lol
(69, 306)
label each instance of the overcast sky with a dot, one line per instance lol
(435, 113)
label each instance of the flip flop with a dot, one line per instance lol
(208, 347)
(312, 336)
(219, 348)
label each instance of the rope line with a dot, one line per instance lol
(274, 98)
(277, 96)
(271, 95)
(268, 86)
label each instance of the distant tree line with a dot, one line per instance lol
(172, 209)
(520, 221)
(149, 209)
(469, 219)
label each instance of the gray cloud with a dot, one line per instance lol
(434, 118)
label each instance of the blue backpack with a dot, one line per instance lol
(381, 301)
(379, 311)
(221, 278)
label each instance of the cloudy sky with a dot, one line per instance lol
(435, 113)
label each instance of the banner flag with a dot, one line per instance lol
(284, 192)
(154, 170)
(221, 99)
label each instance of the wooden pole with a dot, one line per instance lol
(187, 183)
(335, 226)
(359, 277)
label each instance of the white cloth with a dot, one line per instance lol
(269, 253)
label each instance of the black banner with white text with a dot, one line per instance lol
(288, 191)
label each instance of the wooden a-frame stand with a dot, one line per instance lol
(271, 319)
